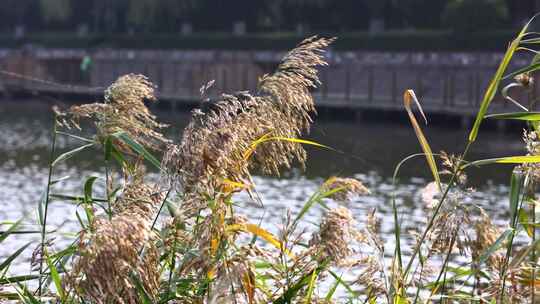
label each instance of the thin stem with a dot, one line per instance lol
(173, 262)
(533, 254)
(397, 227)
(444, 265)
(107, 192)
(446, 261)
(532, 104)
(160, 208)
(44, 224)
(513, 225)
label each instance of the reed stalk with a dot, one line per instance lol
(532, 105)
(47, 199)
(519, 182)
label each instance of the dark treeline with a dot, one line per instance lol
(169, 16)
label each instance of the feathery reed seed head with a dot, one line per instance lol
(344, 188)
(225, 139)
(123, 110)
(110, 252)
(335, 236)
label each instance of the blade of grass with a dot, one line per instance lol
(290, 293)
(260, 232)
(408, 98)
(7, 262)
(316, 198)
(397, 227)
(15, 279)
(495, 246)
(75, 198)
(146, 299)
(124, 137)
(266, 138)
(311, 286)
(525, 159)
(10, 230)
(75, 136)
(343, 283)
(56, 279)
(527, 69)
(70, 154)
(495, 81)
(44, 213)
(88, 185)
(331, 291)
(26, 295)
(526, 116)
(517, 183)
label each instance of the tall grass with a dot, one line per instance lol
(181, 240)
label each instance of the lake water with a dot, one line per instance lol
(370, 151)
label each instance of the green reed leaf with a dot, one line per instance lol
(315, 198)
(291, 292)
(26, 295)
(88, 185)
(521, 255)
(12, 257)
(524, 221)
(124, 137)
(495, 81)
(15, 279)
(526, 116)
(496, 245)
(144, 297)
(311, 286)
(516, 188)
(42, 202)
(531, 68)
(63, 178)
(525, 159)
(56, 278)
(79, 219)
(70, 154)
(409, 97)
(342, 282)
(108, 148)
(332, 290)
(88, 140)
(76, 198)
(10, 230)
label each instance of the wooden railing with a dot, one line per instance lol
(441, 88)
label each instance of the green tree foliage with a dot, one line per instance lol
(166, 16)
(475, 15)
(419, 14)
(15, 10)
(152, 14)
(273, 13)
(55, 10)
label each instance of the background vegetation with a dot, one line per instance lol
(391, 24)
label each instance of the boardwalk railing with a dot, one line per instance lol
(454, 89)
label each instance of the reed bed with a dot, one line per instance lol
(181, 240)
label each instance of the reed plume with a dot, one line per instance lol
(225, 139)
(117, 251)
(335, 236)
(343, 189)
(122, 111)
